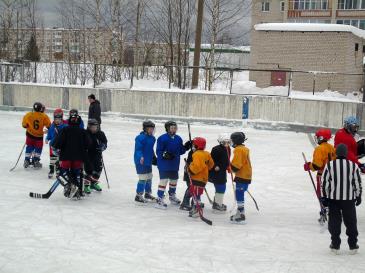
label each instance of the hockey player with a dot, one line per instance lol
(241, 166)
(218, 175)
(199, 168)
(57, 125)
(144, 158)
(323, 153)
(341, 189)
(34, 122)
(76, 112)
(347, 135)
(169, 149)
(73, 143)
(94, 161)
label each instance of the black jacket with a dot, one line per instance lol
(95, 111)
(221, 159)
(73, 143)
(98, 143)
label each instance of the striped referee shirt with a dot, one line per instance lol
(341, 180)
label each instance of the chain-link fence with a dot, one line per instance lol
(279, 82)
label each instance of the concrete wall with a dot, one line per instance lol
(185, 105)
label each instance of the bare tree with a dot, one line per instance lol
(220, 17)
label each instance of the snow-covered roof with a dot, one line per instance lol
(309, 27)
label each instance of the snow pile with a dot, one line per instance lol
(309, 27)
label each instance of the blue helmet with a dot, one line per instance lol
(352, 121)
(351, 124)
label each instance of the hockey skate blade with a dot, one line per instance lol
(240, 223)
(160, 207)
(335, 252)
(353, 251)
(140, 204)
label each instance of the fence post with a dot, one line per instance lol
(132, 76)
(290, 82)
(95, 72)
(231, 83)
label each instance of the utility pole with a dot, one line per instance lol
(198, 41)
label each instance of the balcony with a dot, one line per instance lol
(309, 8)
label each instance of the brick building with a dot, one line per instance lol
(327, 48)
(347, 12)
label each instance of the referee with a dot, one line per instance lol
(341, 191)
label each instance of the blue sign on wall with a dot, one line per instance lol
(245, 107)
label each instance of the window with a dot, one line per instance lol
(362, 24)
(351, 4)
(265, 6)
(311, 4)
(340, 22)
(282, 6)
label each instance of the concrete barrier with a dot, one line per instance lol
(295, 112)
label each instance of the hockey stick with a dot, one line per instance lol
(314, 186)
(48, 194)
(257, 207)
(205, 190)
(16, 164)
(106, 176)
(195, 198)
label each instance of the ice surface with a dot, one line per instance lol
(107, 232)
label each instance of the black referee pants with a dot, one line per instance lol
(345, 210)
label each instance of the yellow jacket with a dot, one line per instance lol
(241, 164)
(321, 155)
(200, 166)
(34, 122)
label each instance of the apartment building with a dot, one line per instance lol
(347, 12)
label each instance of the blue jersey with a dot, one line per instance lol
(54, 130)
(144, 148)
(173, 145)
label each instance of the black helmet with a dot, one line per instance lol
(148, 124)
(238, 138)
(92, 122)
(74, 119)
(37, 107)
(168, 124)
(74, 111)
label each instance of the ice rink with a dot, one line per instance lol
(107, 232)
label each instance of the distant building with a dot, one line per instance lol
(225, 56)
(59, 44)
(308, 47)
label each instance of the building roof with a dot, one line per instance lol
(309, 27)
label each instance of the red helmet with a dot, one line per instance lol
(199, 143)
(58, 113)
(324, 134)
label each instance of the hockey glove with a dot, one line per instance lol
(358, 201)
(168, 156)
(187, 145)
(307, 166)
(324, 201)
(154, 160)
(101, 147)
(362, 168)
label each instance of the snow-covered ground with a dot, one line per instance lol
(107, 232)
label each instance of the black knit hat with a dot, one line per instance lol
(341, 150)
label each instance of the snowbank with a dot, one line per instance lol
(306, 27)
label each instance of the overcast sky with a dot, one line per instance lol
(50, 16)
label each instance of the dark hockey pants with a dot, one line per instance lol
(347, 211)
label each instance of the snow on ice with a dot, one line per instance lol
(107, 232)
